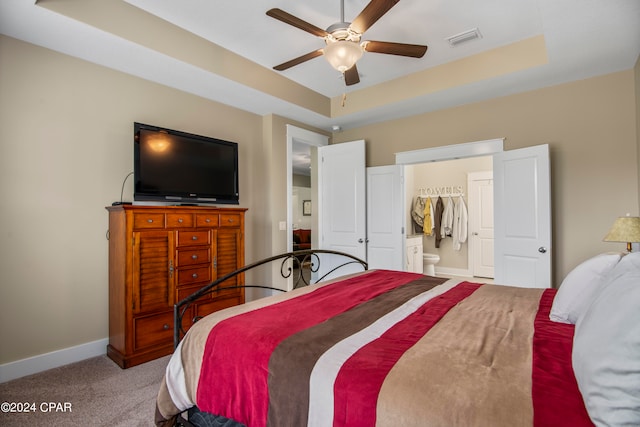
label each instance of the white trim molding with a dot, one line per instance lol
(451, 152)
(42, 362)
(457, 272)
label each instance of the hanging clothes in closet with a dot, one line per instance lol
(460, 217)
(417, 214)
(446, 226)
(437, 220)
(428, 217)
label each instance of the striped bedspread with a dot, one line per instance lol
(382, 348)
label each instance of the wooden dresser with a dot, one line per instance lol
(159, 255)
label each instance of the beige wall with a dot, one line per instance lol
(66, 129)
(590, 126)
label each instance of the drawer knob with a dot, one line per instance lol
(149, 221)
(180, 220)
(207, 220)
(194, 256)
(230, 220)
(194, 237)
(165, 326)
(194, 275)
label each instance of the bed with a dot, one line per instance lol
(389, 348)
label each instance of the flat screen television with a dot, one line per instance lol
(181, 168)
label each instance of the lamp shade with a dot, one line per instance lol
(342, 54)
(624, 229)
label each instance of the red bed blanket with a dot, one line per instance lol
(382, 348)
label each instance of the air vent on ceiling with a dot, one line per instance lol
(464, 37)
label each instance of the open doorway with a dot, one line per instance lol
(302, 187)
(522, 206)
(446, 175)
(302, 202)
(450, 185)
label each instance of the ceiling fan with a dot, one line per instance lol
(343, 39)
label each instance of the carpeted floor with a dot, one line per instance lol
(93, 392)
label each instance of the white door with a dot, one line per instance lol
(481, 242)
(385, 221)
(522, 217)
(342, 209)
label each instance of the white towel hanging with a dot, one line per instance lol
(460, 217)
(446, 225)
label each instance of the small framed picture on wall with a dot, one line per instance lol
(306, 207)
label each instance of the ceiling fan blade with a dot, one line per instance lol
(287, 18)
(401, 49)
(371, 13)
(351, 76)
(298, 60)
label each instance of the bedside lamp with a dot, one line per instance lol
(625, 229)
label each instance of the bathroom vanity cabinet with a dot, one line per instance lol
(413, 250)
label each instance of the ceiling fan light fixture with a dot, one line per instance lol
(343, 54)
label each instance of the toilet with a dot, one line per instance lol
(430, 261)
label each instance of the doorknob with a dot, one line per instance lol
(542, 250)
(475, 233)
(360, 240)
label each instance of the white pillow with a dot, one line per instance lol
(606, 349)
(580, 286)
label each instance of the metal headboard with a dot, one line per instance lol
(290, 262)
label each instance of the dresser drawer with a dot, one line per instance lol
(192, 237)
(148, 220)
(150, 330)
(179, 220)
(207, 220)
(192, 256)
(229, 220)
(194, 275)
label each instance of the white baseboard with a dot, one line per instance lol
(446, 271)
(42, 362)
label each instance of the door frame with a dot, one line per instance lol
(487, 147)
(302, 136)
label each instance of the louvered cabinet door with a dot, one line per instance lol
(153, 270)
(228, 256)
(227, 248)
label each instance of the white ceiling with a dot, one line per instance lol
(584, 38)
(248, 31)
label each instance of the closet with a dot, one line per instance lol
(448, 180)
